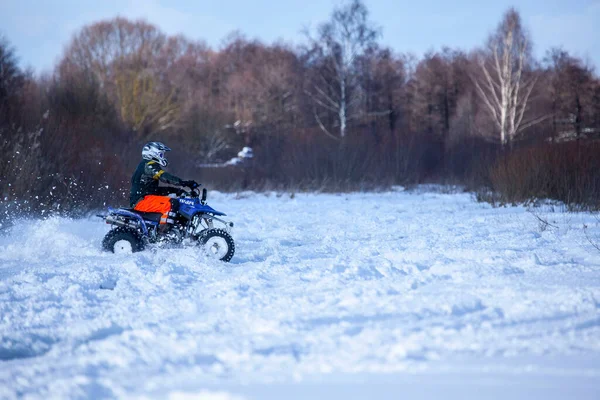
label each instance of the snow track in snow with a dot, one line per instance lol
(327, 296)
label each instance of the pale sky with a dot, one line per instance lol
(40, 29)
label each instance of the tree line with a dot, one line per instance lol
(338, 112)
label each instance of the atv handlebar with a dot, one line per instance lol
(195, 193)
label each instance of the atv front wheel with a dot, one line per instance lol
(123, 241)
(218, 244)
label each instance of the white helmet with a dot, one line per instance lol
(155, 151)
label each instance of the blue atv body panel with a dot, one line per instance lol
(188, 207)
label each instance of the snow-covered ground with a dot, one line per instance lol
(378, 296)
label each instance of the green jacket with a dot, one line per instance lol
(145, 181)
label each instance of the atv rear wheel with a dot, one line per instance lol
(123, 241)
(218, 244)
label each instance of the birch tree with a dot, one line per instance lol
(503, 86)
(340, 42)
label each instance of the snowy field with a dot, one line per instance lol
(362, 296)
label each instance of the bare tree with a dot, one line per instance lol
(258, 86)
(12, 81)
(384, 89)
(503, 87)
(123, 57)
(339, 44)
(438, 83)
(571, 90)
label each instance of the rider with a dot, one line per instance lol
(146, 195)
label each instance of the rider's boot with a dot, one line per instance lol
(164, 228)
(169, 223)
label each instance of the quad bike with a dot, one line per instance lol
(194, 224)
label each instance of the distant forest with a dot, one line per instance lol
(339, 112)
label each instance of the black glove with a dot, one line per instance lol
(190, 184)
